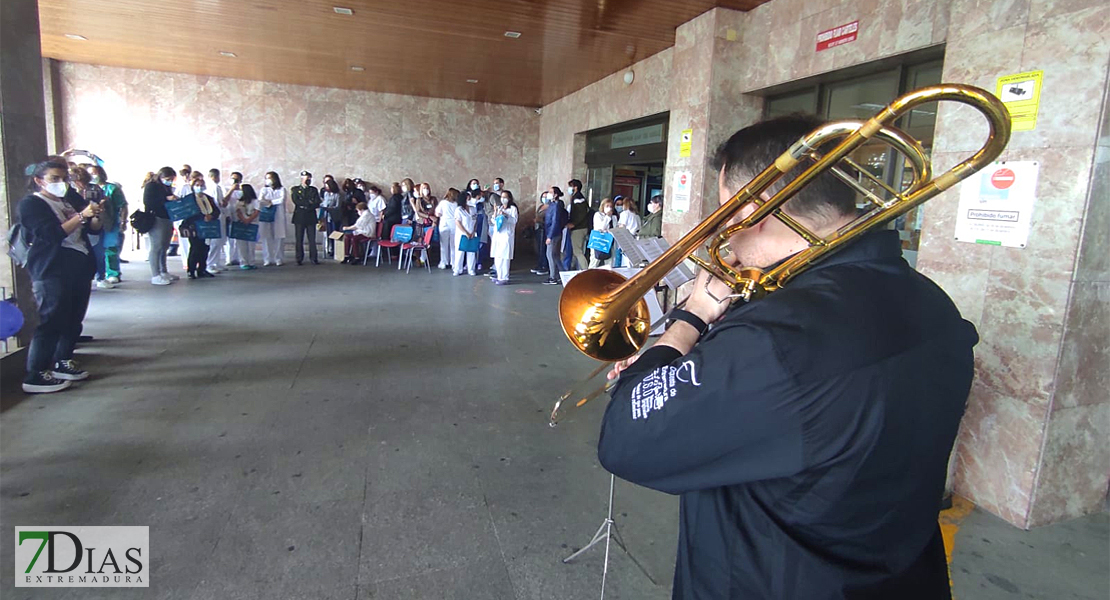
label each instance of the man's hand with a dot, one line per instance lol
(621, 365)
(548, 241)
(702, 304)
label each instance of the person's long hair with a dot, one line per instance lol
(277, 180)
(462, 200)
(150, 176)
(40, 168)
(331, 186)
(394, 189)
(630, 206)
(249, 195)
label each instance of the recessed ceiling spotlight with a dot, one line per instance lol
(512, 34)
(339, 10)
(74, 36)
(472, 81)
(227, 54)
(358, 69)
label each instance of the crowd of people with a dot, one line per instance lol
(76, 220)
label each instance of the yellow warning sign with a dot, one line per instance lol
(1021, 93)
(687, 142)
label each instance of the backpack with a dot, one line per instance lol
(142, 221)
(18, 248)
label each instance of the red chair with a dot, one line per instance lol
(422, 246)
(392, 242)
(373, 243)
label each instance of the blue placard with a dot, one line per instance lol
(243, 231)
(600, 241)
(468, 244)
(179, 210)
(402, 234)
(208, 230)
(267, 215)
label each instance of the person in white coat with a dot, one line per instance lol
(445, 213)
(217, 260)
(234, 194)
(465, 225)
(503, 237)
(272, 235)
(604, 220)
(246, 212)
(629, 218)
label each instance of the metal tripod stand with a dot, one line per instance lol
(607, 531)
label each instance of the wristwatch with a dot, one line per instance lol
(688, 317)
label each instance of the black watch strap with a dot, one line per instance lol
(688, 317)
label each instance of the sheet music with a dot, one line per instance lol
(628, 244)
(647, 250)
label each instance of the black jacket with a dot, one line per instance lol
(579, 210)
(808, 434)
(306, 199)
(154, 198)
(44, 233)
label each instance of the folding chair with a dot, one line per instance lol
(422, 246)
(384, 246)
(373, 244)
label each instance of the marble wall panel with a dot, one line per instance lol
(141, 120)
(1072, 479)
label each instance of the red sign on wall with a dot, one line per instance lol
(1002, 179)
(837, 36)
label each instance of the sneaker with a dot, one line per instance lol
(551, 282)
(69, 371)
(247, 267)
(279, 263)
(44, 383)
(267, 264)
(538, 272)
(501, 281)
(160, 280)
(113, 280)
(215, 270)
(456, 273)
(104, 284)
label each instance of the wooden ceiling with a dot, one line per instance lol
(415, 47)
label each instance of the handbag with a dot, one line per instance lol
(468, 244)
(142, 221)
(601, 242)
(268, 214)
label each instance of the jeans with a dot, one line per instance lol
(98, 255)
(555, 255)
(303, 232)
(62, 297)
(541, 251)
(160, 236)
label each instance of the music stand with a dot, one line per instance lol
(608, 530)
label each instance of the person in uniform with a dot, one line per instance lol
(306, 202)
(807, 433)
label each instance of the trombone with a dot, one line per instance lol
(604, 315)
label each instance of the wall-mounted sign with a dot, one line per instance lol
(837, 36)
(996, 204)
(686, 143)
(1021, 93)
(652, 134)
(680, 198)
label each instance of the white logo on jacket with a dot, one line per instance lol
(661, 385)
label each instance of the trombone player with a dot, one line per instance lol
(808, 432)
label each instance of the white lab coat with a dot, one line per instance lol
(464, 218)
(272, 235)
(445, 210)
(217, 260)
(376, 206)
(503, 241)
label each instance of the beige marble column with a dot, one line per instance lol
(22, 128)
(1032, 447)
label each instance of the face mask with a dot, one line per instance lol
(269, 183)
(497, 187)
(198, 189)
(471, 203)
(504, 200)
(474, 186)
(168, 182)
(308, 182)
(546, 199)
(96, 179)
(57, 189)
(404, 189)
(620, 209)
(424, 193)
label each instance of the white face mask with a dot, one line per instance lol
(168, 182)
(504, 200)
(424, 193)
(474, 186)
(404, 189)
(57, 189)
(497, 187)
(198, 189)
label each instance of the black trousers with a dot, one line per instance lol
(62, 296)
(303, 232)
(198, 255)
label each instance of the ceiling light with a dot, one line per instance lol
(512, 34)
(74, 36)
(227, 54)
(358, 69)
(339, 10)
(472, 81)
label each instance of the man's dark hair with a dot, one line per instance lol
(574, 183)
(377, 190)
(235, 174)
(753, 148)
(212, 172)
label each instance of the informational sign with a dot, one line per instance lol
(686, 143)
(680, 199)
(837, 36)
(996, 204)
(651, 134)
(1021, 93)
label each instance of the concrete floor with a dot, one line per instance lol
(342, 432)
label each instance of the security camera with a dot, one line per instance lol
(632, 153)
(539, 111)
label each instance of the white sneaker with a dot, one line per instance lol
(160, 280)
(104, 284)
(279, 263)
(215, 270)
(113, 280)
